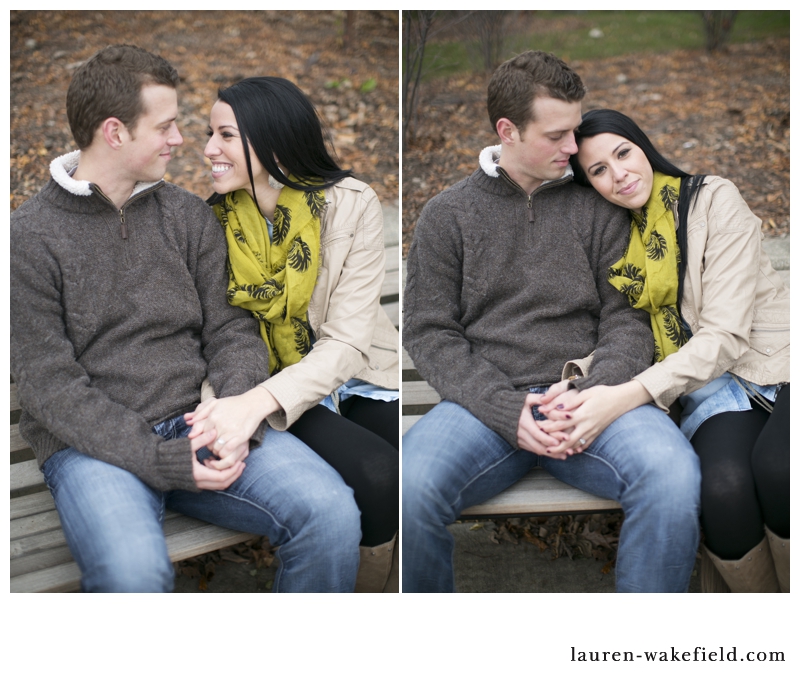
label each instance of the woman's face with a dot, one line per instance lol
(617, 169)
(226, 152)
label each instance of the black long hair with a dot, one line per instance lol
(599, 121)
(279, 121)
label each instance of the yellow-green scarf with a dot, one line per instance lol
(274, 280)
(648, 272)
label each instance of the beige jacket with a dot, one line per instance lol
(354, 336)
(735, 303)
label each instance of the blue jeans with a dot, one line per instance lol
(113, 521)
(452, 461)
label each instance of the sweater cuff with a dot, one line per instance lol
(506, 410)
(173, 467)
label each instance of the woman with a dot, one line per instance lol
(306, 257)
(720, 318)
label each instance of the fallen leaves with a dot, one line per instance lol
(258, 552)
(590, 536)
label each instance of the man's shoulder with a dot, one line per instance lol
(175, 195)
(451, 198)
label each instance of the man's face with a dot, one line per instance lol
(541, 152)
(148, 146)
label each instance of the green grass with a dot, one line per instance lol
(623, 32)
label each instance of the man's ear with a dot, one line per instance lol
(507, 130)
(114, 132)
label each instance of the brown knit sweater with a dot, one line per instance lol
(500, 295)
(111, 335)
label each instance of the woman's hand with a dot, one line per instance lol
(234, 420)
(531, 434)
(589, 412)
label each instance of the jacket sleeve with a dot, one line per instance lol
(56, 391)
(432, 330)
(731, 264)
(624, 337)
(344, 337)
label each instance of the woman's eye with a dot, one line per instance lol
(598, 170)
(623, 153)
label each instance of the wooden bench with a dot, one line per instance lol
(537, 494)
(40, 558)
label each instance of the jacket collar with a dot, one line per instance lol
(62, 168)
(489, 157)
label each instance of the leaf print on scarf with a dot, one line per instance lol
(302, 339)
(669, 196)
(282, 223)
(266, 291)
(640, 219)
(299, 256)
(656, 247)
(634, 281)
(315, 201)
(673, 327)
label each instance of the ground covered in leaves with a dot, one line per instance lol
(353, 82)
(725, 113)
(589, 536)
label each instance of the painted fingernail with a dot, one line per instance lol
(569, 416)
(560, 406)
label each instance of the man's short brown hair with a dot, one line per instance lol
(110, 84)
(534, 73)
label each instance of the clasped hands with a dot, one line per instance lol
(225, 426)
(574, 418)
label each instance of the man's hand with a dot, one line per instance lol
(533, 437)
(212, 478)
(234, 419)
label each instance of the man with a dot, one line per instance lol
(118, 313)
(507, 281)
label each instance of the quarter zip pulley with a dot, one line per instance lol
(531, 218)
(123, 229)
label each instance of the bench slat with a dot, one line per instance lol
(63, 578)
(25, 474)
(540, 493)
(17, 441)
(29, 505)
(419, 393)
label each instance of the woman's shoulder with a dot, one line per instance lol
(348, 186)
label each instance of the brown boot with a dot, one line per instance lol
(754, 572)
(780, 556)
(376, 567)
(710, 578)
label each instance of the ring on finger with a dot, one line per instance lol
(220, 441)
(582, 441)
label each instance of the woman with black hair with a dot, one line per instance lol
(720, 319)
(306, 257)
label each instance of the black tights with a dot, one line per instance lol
(744, 458)
(362, 445)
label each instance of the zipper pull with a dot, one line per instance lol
(531, 218)
(123, 229)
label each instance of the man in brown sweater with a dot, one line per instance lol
(118, 313)
(507, 282)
